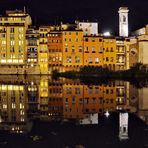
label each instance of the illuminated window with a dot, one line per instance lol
(3, 42)
(13, 106)
(111, 59)
(96, 60)
(80, 48)
(12, 36)
(89, 60)
(12, 42)
(68, 90)
(93, 49)
(68, 59)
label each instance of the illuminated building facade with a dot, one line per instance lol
(55, 48)
(13, 28)
(72, 49)
(13, 106)
(27, 50)
(32, 44)
(43, 49)
(109, 52)
(93, 50)
(89, 28)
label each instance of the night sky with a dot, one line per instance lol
(104, 11)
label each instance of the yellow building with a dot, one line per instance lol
(13, 28)
(93, 51)
(109, 52)
(43, 97)
(13, 102)
(122, 53)
(43, 49)
(72, 49)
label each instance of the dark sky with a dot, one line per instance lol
(104, 11)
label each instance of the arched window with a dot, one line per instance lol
(124, 19)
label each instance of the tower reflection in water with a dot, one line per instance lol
(23, 99)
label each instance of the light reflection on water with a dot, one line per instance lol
(26, 102)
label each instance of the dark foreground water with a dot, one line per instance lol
(41, 112)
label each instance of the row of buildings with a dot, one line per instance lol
(25, 49)
(40, 97)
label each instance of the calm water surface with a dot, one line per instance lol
(38, 111)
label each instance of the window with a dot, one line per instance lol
(3, 35)
(107, 49)
(93, 49)
(12, 36)
(11, 30)
(76, 39)
(76, 33)
(100, 49)
(70, 39)
(68, 90)
(100, 40)
(77, 90)
(93, 39)
(68, 59)
(73, 49)
(86, 49)
(80, 48)
(124, 19)
(107, 59)
(21, 29)
(86, 39)
(73, 99)
(111, 59)
(66, 49)
(11, 48)
(12, 42)
(107, 91)
(89, 60)
(77, 59)
(96, 60)
(111, 50)
(3, 42)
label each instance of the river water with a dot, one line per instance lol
(39, 111)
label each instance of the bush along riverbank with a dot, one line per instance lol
(138, 71)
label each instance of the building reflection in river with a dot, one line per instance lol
(23, 99)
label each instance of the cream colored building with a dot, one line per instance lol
(13, 28)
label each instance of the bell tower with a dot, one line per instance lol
(123, 21)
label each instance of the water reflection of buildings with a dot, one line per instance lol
(13, 107)
(41, 97)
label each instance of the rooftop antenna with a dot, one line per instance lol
(24, 9)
